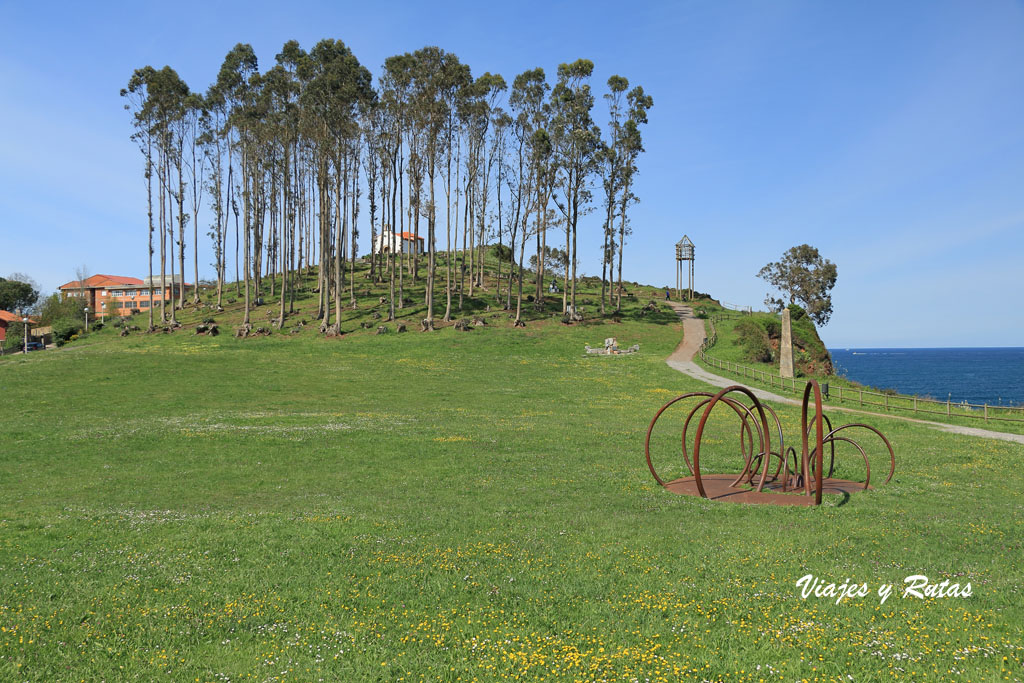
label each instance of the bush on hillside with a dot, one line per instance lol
(56, 308)
(15, 336)
(501, 251)
(66, 329)
(753, 338)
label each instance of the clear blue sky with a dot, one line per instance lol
(888, 134)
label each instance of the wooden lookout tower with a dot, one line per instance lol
(684, 253)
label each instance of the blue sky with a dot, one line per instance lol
(888, 135)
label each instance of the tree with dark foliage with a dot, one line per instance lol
(806, 278)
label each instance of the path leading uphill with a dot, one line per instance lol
(694, 335)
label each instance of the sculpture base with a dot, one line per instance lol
(716, 486)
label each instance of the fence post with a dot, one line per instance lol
(947, 407)
(986, 412)
(887, 403)
(840, 393)
(861, 398)
(915, 403)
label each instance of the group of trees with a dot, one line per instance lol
(284, 158)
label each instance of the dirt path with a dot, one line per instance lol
(694, 335)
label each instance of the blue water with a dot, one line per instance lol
(992, 375)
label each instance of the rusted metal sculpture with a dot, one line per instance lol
(756, 482)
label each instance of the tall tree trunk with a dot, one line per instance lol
(448, 242)
(247, 230)
(431, 255)
(170, 237)
(622, 244)
(285, 201)
(575, 219)
(604, 264)
(462, 265)
(353, 232)
(400, 186)
(149, 213)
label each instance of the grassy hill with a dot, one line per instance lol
(371, 309)
(458, 506)
(754, 340)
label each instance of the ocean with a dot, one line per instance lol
(981, 375)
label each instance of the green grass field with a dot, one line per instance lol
(459, 506)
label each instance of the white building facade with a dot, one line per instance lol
(392, 242)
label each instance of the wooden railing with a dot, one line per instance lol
(860, 396)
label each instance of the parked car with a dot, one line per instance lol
(35, 346)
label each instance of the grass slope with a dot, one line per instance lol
(458, 506)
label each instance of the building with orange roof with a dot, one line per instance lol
(119, 295)
(6, 318)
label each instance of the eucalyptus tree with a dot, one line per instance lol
(178, 101)
(141, 105)
(371, 167)
(344, 89)
(631, 147)
(166, 94)
(529, 90)
(577, 143)
(473, 117)
(493, 85)
(398, 118)
(436, 74)
(213, 145)
(283, 89)
(611, 157)
(197, 124)
(546, 170)
(543, 168)
(501, 122)
(453, 77)
(233, 86)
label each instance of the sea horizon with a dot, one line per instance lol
(975, 374)
(913, 348)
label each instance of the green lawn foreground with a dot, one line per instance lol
(458, 506)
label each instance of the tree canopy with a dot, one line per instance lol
(16, 294)
(278, 154)
(806, 278)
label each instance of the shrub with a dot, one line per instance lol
(15, 336)
(65, 330)
(753, 337)
(502, 251)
